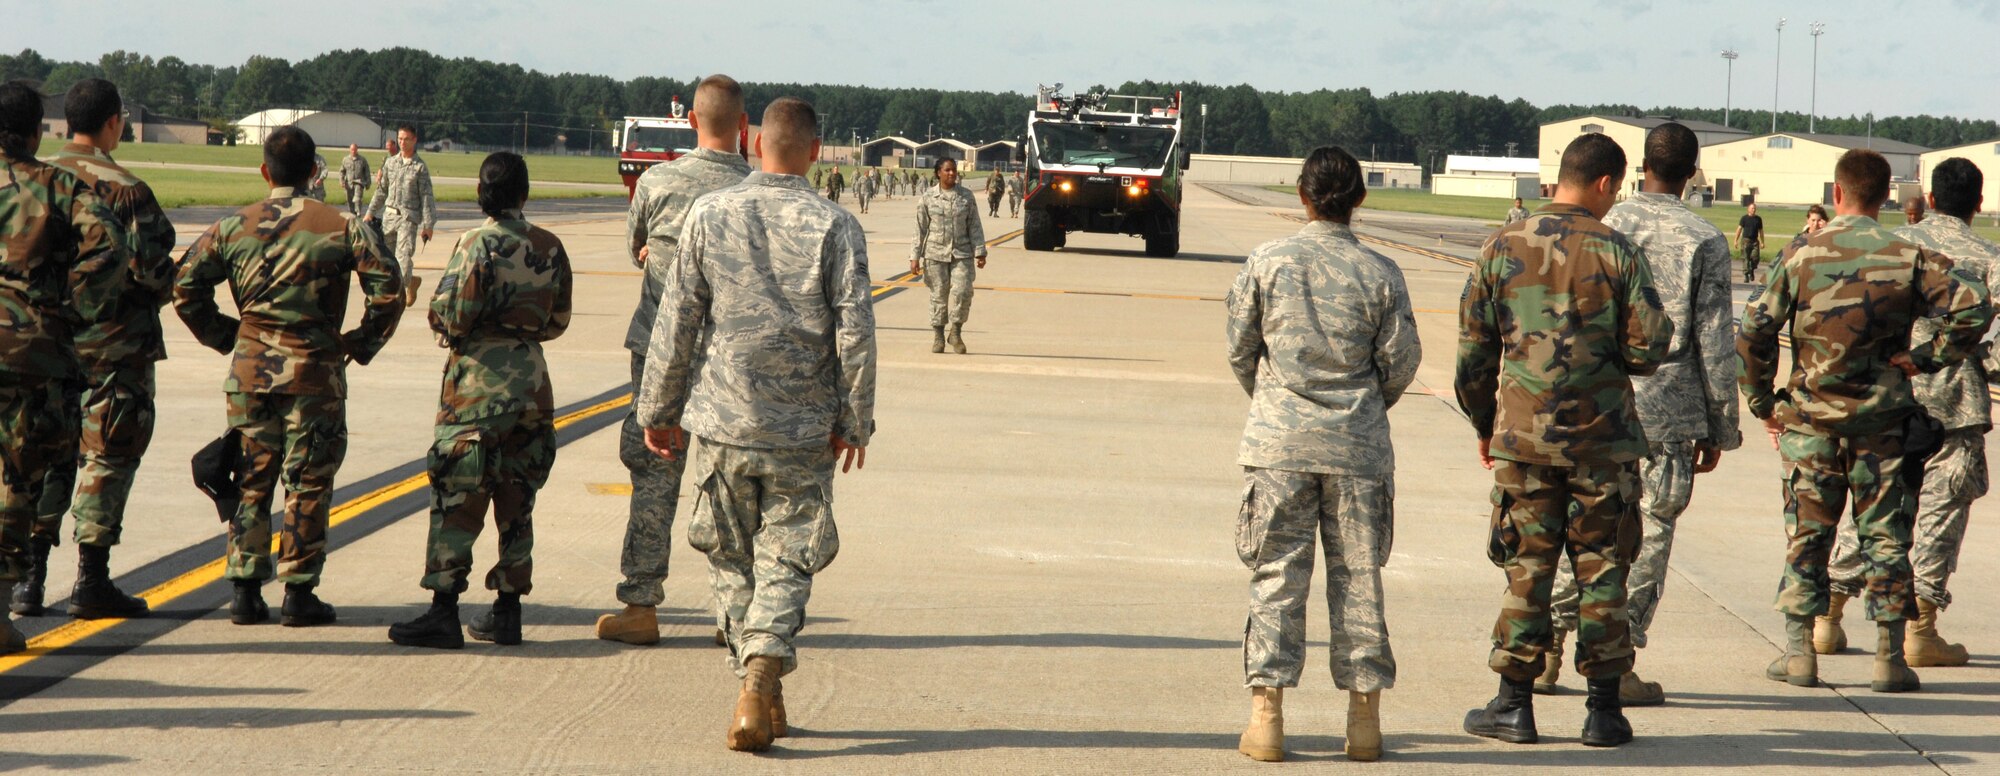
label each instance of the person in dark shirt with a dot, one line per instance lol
(1750, 237)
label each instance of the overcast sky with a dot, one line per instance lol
(1875, 56)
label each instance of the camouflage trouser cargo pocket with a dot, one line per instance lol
(1503, 540)
(1630, 528)
(458, 462)
(1250, 528)
(1385, 532)
(702, 533)
(822, 540)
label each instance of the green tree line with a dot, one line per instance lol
(490, 103)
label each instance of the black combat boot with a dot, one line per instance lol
(29, 592)
(1510, 716)
(95, 597)
(303, 609)
(1606, 724)
(500, 624)
(436, 628)
(249, 608)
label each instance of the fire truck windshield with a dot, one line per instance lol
(656, 140)
(1106, 144)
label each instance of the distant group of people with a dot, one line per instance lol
(1598, 413)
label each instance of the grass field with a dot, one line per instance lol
(1780, 223)
(182, 188)
(571, 169)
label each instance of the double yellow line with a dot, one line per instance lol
(70, 633)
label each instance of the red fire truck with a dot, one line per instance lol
(644, 141)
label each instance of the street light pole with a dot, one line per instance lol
(1729, 86)
(1204, 127)
(1777, 64)
(1812, 121)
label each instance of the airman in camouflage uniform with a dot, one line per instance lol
(406, 209)
(1687, 408)
(317, 188)
(115, 408)
(1953, 478)
(1558, 316)
(505, 292)
(765, 352)
(289, 262)
(996, 188)
(653, 225)
(1014, 185)
(1850, 296)
(354, 180)
(63, 264)
(1322, 338)
(949, 245)
(1517, 214)
(864, 188)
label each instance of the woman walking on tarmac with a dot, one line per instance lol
(1322, 337)
(950, 244)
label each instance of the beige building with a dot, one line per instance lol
(1489, 176)
(1794, 168)
(1985, 156)
(1284, 171)
(1628, 132)
(329, 129)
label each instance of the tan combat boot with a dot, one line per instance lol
(937, 339)
(1925, 647)
(721, 639)
(636, 625)
(1633, 691)
(956, 340)
(1892, 673)
(1364, 726)
(750, 728)
(780, 727)
(1799, 665)
(1552, 665)
(1828, 638)
(1264, 740)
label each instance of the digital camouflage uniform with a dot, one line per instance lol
(764, 348)
(289, 261)
(1689, 402)
(659, 209)
(1013, 196)
(505, 292)
(113, 411)
(1517, 215)
(316, 188)
(1849, 297)
(864, 190)
(63, 264)
(354, 180)
(996, 188)
(1322, 337)
(949, 237)
(406, 208)
(1558, 316)
(1956, 396)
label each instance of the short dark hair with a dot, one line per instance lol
(790, 124)
(1672, 152)
(1331, 180)
(290, 156)
(1864, 175)
(1589, 157)
(90, 104)
(937, 167)
(1956, 184)
(503, 182)
(20, 118)
(410, 128)
(1817, 210)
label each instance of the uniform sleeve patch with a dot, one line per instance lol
(1652, 296)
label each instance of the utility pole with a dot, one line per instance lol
(1204, 127)
(1777, 64)
(1812, 121)
(1729, 86)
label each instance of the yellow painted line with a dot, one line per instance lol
(69, 633)
(608, 488)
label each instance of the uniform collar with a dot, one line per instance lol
(1329, 229)
(1657, 198)
(1560, 209)
(718, 157)
(285, 192)
(1945, 223)
(510, 214)
(84, 149)
(1854, 222)
(780, 180)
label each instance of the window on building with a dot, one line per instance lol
(1779, 142)
(1589, 128)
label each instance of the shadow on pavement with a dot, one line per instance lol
(82, 687)
(809, 640)
(27, 761)
(900, 742)
(205, 718)
(1791, 749)
(1138, 253)
(1069, 358)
